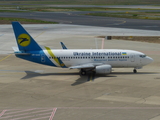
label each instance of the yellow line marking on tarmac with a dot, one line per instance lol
(91, 78)
(122, 21)
(5, 57)
(39, 34)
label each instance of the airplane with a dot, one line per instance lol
(100, 61)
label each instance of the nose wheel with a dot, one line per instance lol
(135, 71)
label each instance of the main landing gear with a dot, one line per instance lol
(135, 71)
(83, 72)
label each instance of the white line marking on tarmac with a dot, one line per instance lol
(2, 113)
(17, 115)
(40, 118)
(31, 116)
(20, 111)
(53, 113)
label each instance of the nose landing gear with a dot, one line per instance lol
(135, 71)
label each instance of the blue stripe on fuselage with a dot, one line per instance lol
(37, 57)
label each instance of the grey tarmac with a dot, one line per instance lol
(32, 91)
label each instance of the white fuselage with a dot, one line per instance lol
(115, 57)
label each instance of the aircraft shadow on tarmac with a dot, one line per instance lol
(32, 74)
(81, 79)
(131, 73)
(89, 77)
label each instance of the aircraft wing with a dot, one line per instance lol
(83, 66)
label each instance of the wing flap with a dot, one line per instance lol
(81, 66)
(84, 66)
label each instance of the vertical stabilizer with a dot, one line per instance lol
(24, 41)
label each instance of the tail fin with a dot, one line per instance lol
(24, 41)
(63, 46)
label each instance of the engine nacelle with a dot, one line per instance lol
(103, 69)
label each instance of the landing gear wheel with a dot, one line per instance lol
(83, 72)
(135, 71)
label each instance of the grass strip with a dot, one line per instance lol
(6, 20)
(127, 15)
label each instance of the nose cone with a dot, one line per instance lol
(148, 60)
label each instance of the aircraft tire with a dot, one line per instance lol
(83, 72)
(135, 71)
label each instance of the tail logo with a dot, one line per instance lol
(24, 40)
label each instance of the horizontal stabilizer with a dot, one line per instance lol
(18, 52)
(22, 53)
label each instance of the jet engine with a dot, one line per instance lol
(103, 69)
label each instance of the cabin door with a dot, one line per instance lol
(132, 57)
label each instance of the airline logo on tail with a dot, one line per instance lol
(24, 40)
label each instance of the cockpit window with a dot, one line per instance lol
(142, 56)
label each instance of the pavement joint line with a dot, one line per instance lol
(47, 109)
(5, 57)
(113, 108)
(53, 113)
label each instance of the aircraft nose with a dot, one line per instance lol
(149, 60)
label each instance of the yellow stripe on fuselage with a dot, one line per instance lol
(52, 55)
